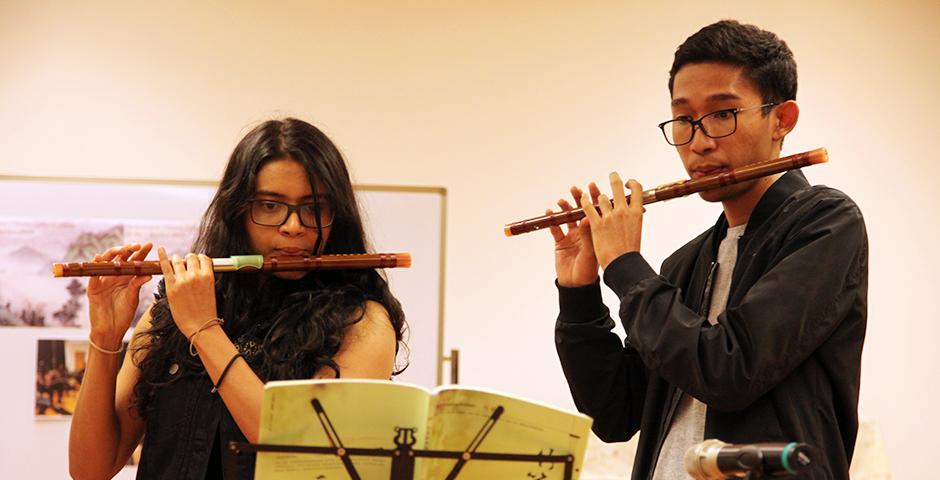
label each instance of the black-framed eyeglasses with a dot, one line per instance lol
(719, 124)
(271, 213)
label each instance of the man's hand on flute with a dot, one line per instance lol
(575, 262)
(616, 229)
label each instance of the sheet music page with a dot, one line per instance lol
(360, 413)
(459, 415)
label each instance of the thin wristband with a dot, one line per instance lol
(103, 350)
(215, 388)
(205, 326)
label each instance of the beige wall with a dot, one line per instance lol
(506, 104)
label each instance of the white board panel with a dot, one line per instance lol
(398, 219)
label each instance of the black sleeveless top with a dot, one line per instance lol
(188, 428)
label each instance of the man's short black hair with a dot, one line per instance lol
(766, 59)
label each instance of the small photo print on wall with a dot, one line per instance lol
(60, 367)
(31, 297)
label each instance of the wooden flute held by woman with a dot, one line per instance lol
(242, 263)
(683, 188)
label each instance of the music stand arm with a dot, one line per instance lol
(237, 448)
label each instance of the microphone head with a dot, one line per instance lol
(714, 459)
(701, 460)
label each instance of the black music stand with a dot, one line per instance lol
(403, 456)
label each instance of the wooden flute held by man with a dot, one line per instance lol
(683, 188)
(242, 263)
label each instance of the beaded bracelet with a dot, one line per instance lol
(215, 388)
(205, 326)
(103, 350)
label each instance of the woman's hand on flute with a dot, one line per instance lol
(190, 289)
(617, 229)
(113, 300)
(575, 262)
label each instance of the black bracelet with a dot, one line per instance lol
(215, 388)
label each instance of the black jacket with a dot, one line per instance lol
(188, 431)
(782, 363)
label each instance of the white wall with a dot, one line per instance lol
(506, 104)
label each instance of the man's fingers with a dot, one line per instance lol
(589, 212)
(636, 195)
(595, 192)
(616, 186)
(566, 207)
(576, 195)
(557, 234)
(603, 203)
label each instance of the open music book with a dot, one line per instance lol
(372, 413)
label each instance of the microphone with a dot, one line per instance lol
(714, 459)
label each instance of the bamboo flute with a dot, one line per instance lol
(242, 263)
(682, 188)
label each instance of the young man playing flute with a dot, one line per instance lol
(753, 331)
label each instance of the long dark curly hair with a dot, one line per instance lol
(298, 324)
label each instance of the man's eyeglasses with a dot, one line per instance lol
(271, 213)
(714, 125)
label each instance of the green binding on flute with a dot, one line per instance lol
(242, 261)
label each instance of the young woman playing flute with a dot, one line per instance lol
(193, 377)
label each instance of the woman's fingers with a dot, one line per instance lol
(129, 252)
(179, 265)
(142, 252)
(139, 281)
(192, 263)
(205, 265)
(166, 267)
(126, 251)
(109, 254)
